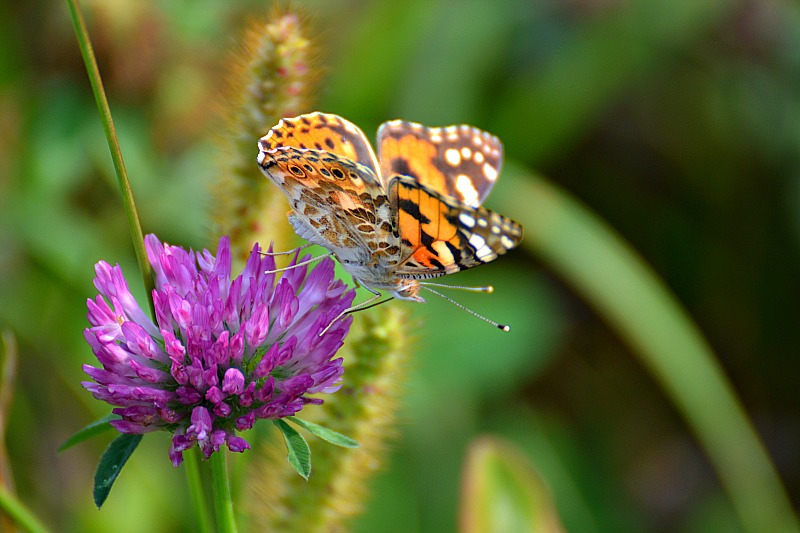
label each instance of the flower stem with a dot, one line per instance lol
(85, 44)
(191, 464)
(19, 513)
(223, 505)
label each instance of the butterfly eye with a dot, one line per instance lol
(297, 171)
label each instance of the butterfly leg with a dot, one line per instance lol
(301, 263)
(359, 307)
(287, 252)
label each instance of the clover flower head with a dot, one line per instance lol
(222, 353)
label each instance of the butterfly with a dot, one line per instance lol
(412, 213)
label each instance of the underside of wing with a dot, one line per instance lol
(322, 131)
(335, 203)
(440, 235)
(461, 162)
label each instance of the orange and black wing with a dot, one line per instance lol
(325, 132)
(440, 235)
(335, 203)
(461, 162)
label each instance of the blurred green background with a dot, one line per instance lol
(677, 122)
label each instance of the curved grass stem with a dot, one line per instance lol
(85, 44)
(624, 290)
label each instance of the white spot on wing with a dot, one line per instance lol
(477, 242)
(507, 242)
(482, 252)
(489, 172)
(466, 153)
(452, 157)
(467, 219)
(479, 157)
(467, 190)
(485, 254)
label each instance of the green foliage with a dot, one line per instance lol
(299, 453)
(97, 427)
(325, 434)
(111, 463)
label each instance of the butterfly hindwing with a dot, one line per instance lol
(440, 235)
(335, 202)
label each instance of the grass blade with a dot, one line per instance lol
(624, 290)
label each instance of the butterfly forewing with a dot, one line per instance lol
(439, 235)
(322, 131)
(462, 162)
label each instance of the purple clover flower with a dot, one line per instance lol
(222, 353)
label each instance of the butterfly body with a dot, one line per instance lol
(412, 213)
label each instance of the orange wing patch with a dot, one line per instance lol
(320, 131)
(410, 155)
(461, 162)
(440, 236)
(429, 235)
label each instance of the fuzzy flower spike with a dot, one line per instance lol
(222, 353)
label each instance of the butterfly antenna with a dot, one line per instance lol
(301, 263)
(488, 289)
(427, 287)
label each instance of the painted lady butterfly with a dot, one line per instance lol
(412, 213)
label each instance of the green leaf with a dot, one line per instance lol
(95, 428)
(299, 453)
(325, 434)
(111, 463)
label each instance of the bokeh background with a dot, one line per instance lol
(677, 122)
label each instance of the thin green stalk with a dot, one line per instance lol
(223, 505)
(19, 513)
(192, 467)
(613, 278)
(87, 52)
(8, 374)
